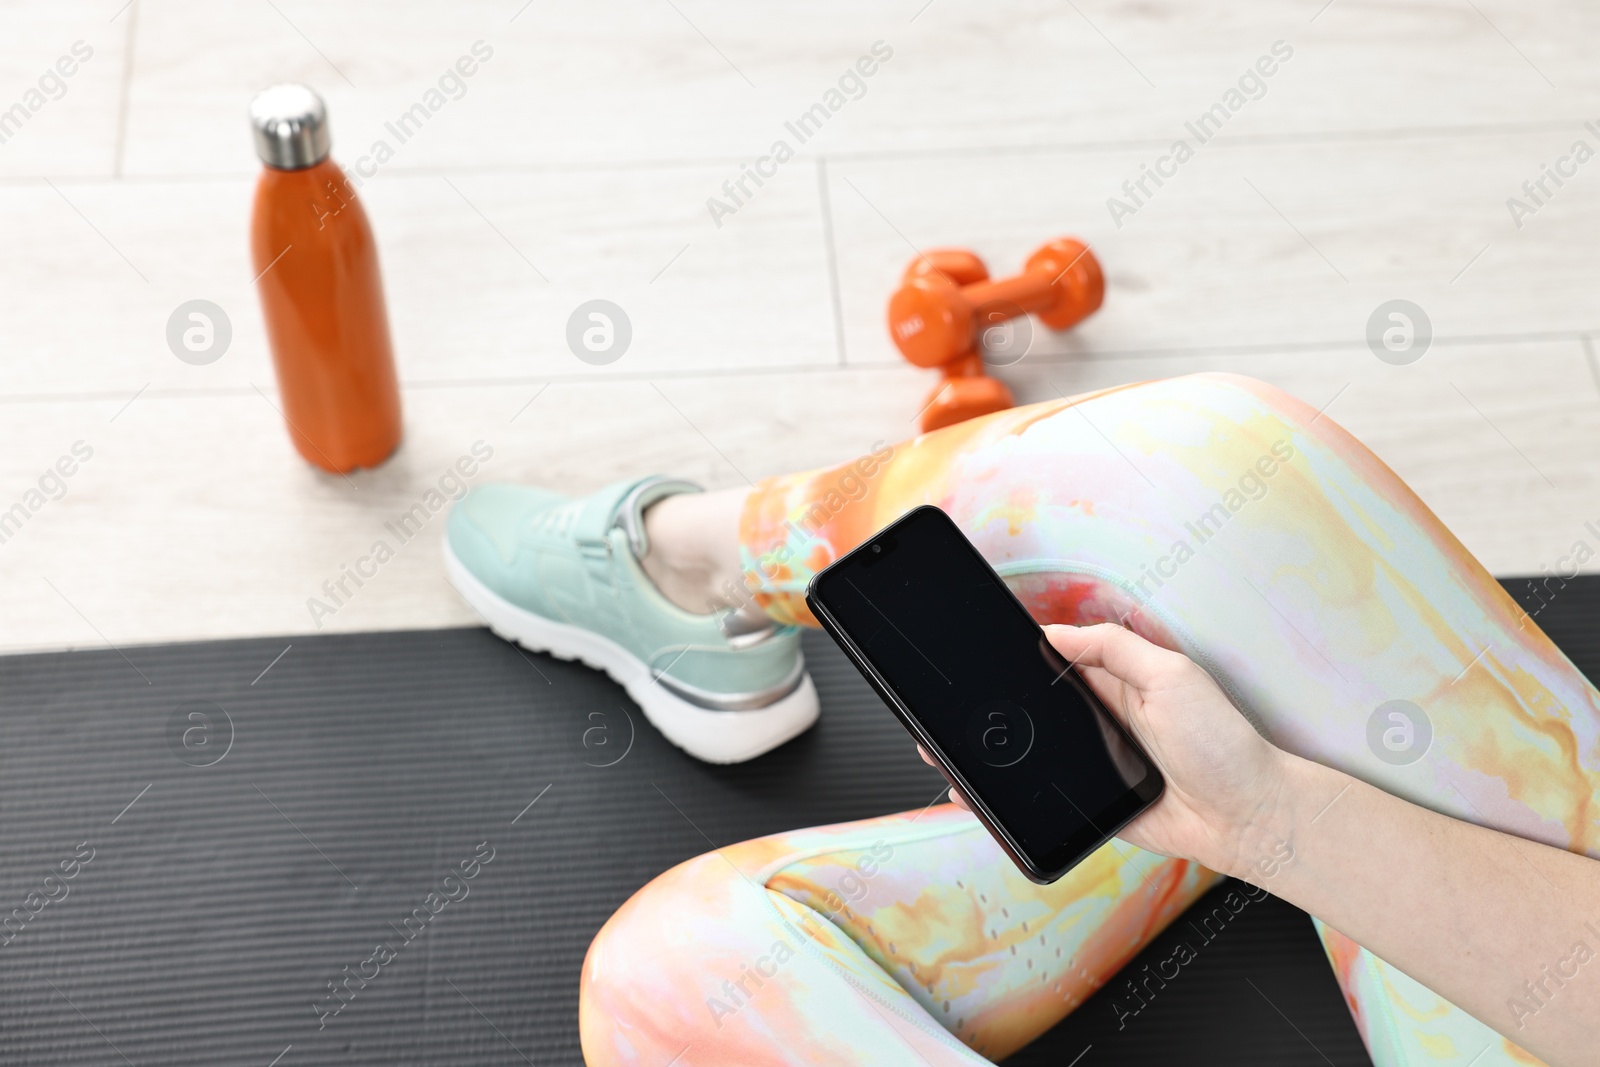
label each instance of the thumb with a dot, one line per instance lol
(1121, 653)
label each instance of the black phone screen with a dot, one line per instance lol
(1027, 741)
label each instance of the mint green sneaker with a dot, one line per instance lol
(562, 575)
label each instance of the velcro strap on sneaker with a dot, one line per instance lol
(623, 504)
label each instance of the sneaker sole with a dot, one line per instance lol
(712, 736)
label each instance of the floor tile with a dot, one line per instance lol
(617, 83)
(62, 69)
(482, 271)
(194, 518)
(1249, 244)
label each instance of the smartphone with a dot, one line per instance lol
(952, 651)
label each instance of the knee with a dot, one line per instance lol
(1236, 398)
(740, 954)
(1175, 417)
(685, 962)
(1189, 428)
(637, 993)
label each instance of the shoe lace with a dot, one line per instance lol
(558, 521)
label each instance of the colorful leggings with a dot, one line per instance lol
(1212, 514)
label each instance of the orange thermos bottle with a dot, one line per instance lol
(321, 291)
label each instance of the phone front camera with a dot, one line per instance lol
(877, 548)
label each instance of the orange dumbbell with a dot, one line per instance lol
(946, 296)
(965, 390)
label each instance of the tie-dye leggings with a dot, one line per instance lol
(1212, 514)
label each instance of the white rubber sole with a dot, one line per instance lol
(713, 736)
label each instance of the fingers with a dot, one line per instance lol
(1120, 652)
(955, 794)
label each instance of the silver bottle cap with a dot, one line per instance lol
(290, 125)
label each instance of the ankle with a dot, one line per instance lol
(692, 552)
(691, 588)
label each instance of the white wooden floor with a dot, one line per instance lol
(1376, 164)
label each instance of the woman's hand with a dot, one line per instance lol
(1467, 911)
(1224, 780)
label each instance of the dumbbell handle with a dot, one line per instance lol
(1027, 291)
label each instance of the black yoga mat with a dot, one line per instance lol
(188, 897)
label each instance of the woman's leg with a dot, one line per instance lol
(908, 939)
(1221, 517)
